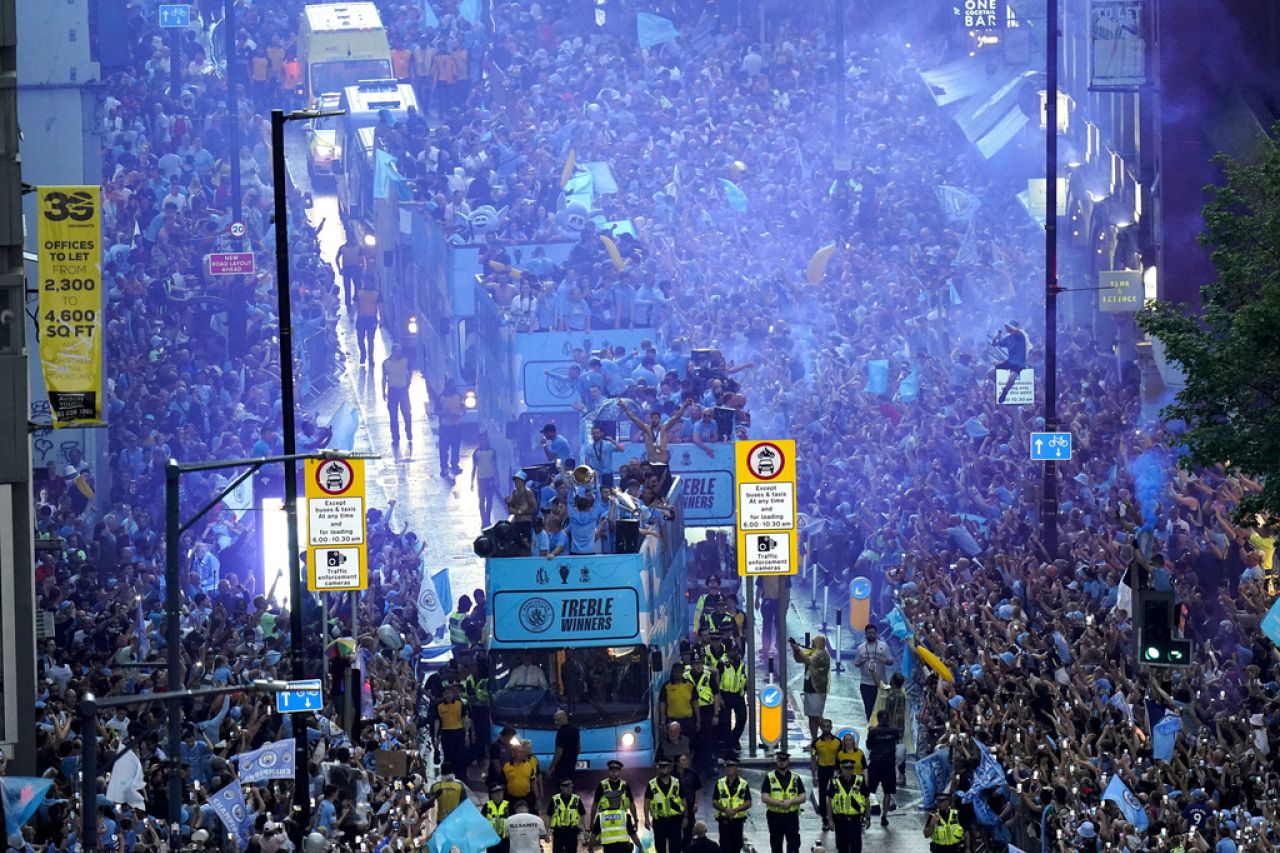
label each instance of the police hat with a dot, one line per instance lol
(496, 787)
(783, 756)
(564, 782)
(615, 764)
(666, 761)
(731, 762)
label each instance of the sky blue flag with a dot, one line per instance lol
(21, 795)
(898, 626)
(384, 172)
(228, 805)
(959, 205)
(981, 810)
(470, 9)
(344, 424)
(909, 387)
(878, 376)
(272, 760)
(654, 29)
(1271, 623)
(429, 18)
(1118, 792)
(908, 661)
(989, 773)
(734, 195)
(934, 772)
(464, 828)
(1164, 735)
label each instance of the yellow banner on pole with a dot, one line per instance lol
(69, 320)
(337, 548)
(768, 541)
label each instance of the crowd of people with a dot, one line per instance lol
(913, 476)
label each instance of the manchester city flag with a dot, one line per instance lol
(1120, 794)
(272, 760)
(228, 804)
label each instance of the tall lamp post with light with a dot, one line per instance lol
(302, 801)
(1049, 476)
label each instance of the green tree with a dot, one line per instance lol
(1230, 351)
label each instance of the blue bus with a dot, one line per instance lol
(590, 635)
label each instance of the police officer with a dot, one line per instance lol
(457, 635)
(943, 828)
(707, 698)
(613, 782)
(475, 689)
(496, 811)
(733, 704)
(713, 651)
(783, 794)
(568, 817)
(664, 809)
(708, 600)
(613, 828)
(732, 800)
(847, 808)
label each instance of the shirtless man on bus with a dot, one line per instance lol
(655, 432)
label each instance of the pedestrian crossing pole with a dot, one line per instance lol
(781, 639)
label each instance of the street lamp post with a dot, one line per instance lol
(89, 706)
(301, 800)
(1049, 477)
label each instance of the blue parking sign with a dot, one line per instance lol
(174, 15)
(1050, 446)
(301, 696)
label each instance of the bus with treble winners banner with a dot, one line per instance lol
(589, 635)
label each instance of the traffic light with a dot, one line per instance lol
(1158, 643)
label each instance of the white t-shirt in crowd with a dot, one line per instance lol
(525, 832)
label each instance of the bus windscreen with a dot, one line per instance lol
(596, 686)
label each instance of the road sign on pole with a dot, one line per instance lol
(768, 541)
(1050, 446)
(174, 15)
(231, 263)
(1023, 390)
(337, 556)
(771, 716)
(301, 696)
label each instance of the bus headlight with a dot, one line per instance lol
(370, 240)
(627, 740)
(469, 401)
(413, 324)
